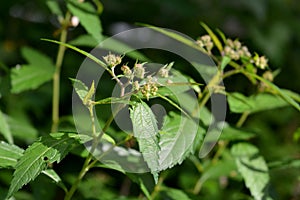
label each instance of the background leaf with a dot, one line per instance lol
(39, 70)
(238, 103)
(146, 132)
(48, 149)
(9, 154)
(88, 18)
(5, 129)
(253, 168)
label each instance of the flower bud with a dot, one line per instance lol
(112, 60)
(126, 71)
(139, 70)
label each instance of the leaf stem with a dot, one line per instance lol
(56, 76)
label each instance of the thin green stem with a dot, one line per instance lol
(56, 76)
(242, 119)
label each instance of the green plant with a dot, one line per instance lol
(236, 159)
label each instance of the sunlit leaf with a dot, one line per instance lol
(253, 168)
(48, 149)
(9, 154)
(177, 138)
(146, 132)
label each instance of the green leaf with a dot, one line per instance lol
(109, 44)
(177, 138)
(233, 133)
(54, 8)
(213, 36)
(84, 40)
(225, 61)
(175, 194)
(90, 56)
(48, 149)
(277, 90)
(9, 154)
(238, 103)
(146, 132)
(90, 94)
(22, 130)
(39, 70)
(285, 164)
(80, 88)
(36, 58)
(55, 177)
(253, 169)
(5, 129)
(88, 17)
(176, 36)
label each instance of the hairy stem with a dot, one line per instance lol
(56, 76)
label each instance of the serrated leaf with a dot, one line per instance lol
(48, 149)
(238, 103)
(177, 138)
(55, 177)
(146, 132)
(9, 154)
(88, 18)
(5, 129)
(253, 169)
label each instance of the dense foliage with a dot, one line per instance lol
(179, 146)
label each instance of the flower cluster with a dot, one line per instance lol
(149, 88)
(205, 42)
(136, 75)
(112, 60)
(235, 50)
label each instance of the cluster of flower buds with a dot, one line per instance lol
(139, 70)
(205, 42)
(126, 71)
(149, 88)
(112, 60)
(260, 61)
(164, 71)
(235, 50)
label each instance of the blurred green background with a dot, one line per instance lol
(271, 27)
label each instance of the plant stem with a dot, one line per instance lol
(56, 76)
(84, 170)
